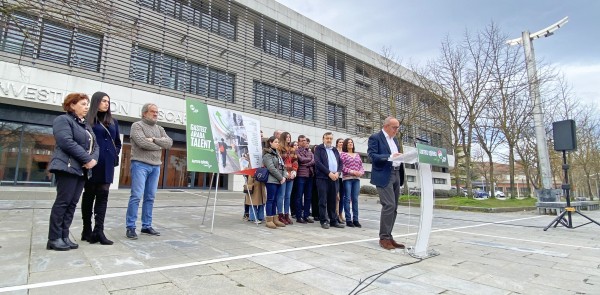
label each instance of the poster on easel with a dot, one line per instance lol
(221, 140)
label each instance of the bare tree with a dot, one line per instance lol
(463, 81)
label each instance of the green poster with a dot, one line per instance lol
(432, 155)
(200, 144)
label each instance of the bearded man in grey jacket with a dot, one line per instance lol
(147, 141)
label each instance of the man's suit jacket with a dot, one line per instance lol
(379, 152)
(322, 164)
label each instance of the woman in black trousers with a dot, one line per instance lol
(106, 129)
(75, 154)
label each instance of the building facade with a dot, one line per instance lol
(256, 57)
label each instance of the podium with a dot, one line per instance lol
(425, 156)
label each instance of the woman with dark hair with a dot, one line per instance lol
(290, 162)
(277, 173)
(75, 154)
(339, 204)
(353, 170)
(95, 196)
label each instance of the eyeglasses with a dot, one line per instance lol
(395, 127)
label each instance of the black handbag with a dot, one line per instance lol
(261, 174)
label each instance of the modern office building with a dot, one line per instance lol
(253, 56)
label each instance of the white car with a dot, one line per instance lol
(498, 194)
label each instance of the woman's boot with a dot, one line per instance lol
(100, 210)
(288, 219)
(277, 220)
(270, 223)
(87, 204)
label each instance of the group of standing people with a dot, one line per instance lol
(88, 145)
(87, 151)
(295, 171)
(335, 172)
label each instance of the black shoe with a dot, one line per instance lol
(98, 236)
(325, 225)
(357, 224)
(300, 220)
(309, 219)
(130, 234)
(86, 233)
(338, 225)
(150, 231)
(70, 243)
(349, 224)
(58, 245)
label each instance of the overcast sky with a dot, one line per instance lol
(414, 29)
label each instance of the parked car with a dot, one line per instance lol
(498, 194)
(481, 195)
(455, 192)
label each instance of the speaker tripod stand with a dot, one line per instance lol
(560, 219)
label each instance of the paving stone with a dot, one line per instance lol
(457, 284)
(241, 258)
(281, 263)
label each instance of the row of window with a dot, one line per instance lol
(298, 50)
(46, 40)
(278, 100)
(197, 13)
(269, 36)
(171, 72)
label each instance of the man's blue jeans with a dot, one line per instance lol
(304, 186)
(351, 190)
(144, 182)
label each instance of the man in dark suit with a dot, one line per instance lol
(388, 177)
(328, 170)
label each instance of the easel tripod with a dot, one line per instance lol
(560, 219)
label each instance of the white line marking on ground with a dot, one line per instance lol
(525, 240)
(205, 262)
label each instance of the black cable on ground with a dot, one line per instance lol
(377, 276)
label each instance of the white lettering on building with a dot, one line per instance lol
(27, 92)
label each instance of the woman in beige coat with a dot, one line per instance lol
(256, 197)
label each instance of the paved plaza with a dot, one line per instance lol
(479, 253)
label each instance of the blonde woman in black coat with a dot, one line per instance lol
(75, 154)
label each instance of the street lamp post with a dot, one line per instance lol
(534, 91)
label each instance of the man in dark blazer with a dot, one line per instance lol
(388, 177)
(328, 166)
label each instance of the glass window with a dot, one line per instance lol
(361, 71)
(411, 178)
(336, 115)
(174, 73)
(86, 51)
(281, 101)
(335, 68)
(56, 42)
(439, 181)
(284, 43)
(12, 36)
(25, 152)
(197, 13)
